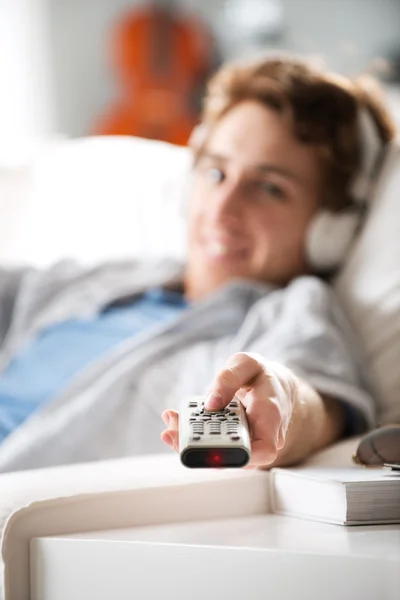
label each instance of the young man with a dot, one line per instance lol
(90, 359)
(281, 142)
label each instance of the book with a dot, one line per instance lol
(350, 496)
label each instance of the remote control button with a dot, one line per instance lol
(232, 414)
(195, 438)
(233, 404)
(214, 428)
(235, 438)
(193, 404)
(205, 419)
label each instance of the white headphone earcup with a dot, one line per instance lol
(329, 237)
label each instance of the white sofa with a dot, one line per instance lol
(99, 198)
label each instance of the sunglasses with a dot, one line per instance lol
(380, 447)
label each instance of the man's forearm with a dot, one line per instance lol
(316, 423)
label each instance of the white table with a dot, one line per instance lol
(252, 558)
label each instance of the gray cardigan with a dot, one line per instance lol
(112, 407)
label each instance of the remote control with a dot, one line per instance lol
(213, 438)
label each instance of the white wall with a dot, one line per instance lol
(26, 103)
(83, 83)
(349, 32)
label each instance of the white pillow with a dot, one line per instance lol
(369, 287)
(99, 198)
(15, 194)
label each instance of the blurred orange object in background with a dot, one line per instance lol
(161, 58)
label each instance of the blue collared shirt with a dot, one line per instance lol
(40, 371)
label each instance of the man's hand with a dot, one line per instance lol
(268, 391)
(287, 419)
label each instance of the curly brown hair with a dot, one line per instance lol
(320, 107)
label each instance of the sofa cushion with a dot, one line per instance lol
(369, 287)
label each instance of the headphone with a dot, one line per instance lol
(330, 234)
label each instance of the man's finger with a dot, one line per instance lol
(262, 454)
(171, 438)
(166, 438)
(264, 413)
(240, 371)
(170, 418)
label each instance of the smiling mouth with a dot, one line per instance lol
(221, 251)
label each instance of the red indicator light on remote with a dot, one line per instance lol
(215, 459)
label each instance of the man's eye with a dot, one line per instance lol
(271, 189)
(214, 174)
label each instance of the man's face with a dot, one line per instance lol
(255, 189)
